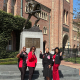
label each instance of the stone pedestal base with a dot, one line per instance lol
(29, 38)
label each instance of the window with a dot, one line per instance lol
(67, 17)
(9, 46)
(38, 25)
(5, 5)
(67, 0)
(78, 29)
(44, 30)
(77, 38)
(74, 37)
(39, 15)
(64, 16)
(13, 6)
(75, 29)
(46, 16)
(42, 15)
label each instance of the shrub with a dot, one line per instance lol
(9, 23)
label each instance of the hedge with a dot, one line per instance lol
(9, 23)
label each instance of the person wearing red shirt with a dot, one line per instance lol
(22, 65)
(57, 57)
(32, 61)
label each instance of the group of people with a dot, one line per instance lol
(48, 60)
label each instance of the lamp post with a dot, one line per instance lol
(68, 47)
(77, 48)
(68, 51)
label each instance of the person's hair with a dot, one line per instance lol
(47, 48)
(24, 47)
(32, 48)
(58, 50)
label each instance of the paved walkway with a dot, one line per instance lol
(66, 72)
(70, 64)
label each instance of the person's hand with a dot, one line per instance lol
(61, 54)
(18, 56)
(49, 66)
(32, 52)
(40, 52)
(21, 51)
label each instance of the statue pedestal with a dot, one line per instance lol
(32, 37)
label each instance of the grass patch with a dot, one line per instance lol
(8, 61)
(73, 60)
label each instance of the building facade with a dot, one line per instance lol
(55, 23)
(75, 33)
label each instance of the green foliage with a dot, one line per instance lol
(5, 54)
(73, 60)
(9, 23)
(8, 61)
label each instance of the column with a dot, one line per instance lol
(9, 6)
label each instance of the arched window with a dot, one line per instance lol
(64, 16)
(38, 25)
(44, 30)
(5, 5)
(67, 17)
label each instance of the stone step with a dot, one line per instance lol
(38, 74)
(68, 78)
(11, 72)
(71, 78)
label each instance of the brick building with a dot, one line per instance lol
(75, 36)
(56, 19)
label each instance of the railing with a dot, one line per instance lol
(71, 55)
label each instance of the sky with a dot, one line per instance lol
(75, 5)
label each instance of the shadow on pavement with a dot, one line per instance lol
(60, 74)
(35, 74)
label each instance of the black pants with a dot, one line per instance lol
(23, 71)
(31, 71)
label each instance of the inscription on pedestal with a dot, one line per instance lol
(29, 42)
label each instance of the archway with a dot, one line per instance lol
(65, 41)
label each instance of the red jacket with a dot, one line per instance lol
(32, 60)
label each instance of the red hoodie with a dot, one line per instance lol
(32, 60)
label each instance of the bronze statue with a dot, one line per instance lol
(32, 9)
